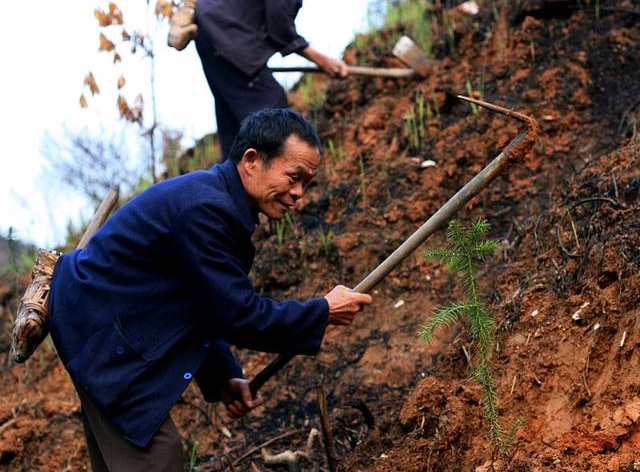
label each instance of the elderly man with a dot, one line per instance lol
(162, 288)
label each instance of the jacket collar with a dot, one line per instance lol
(246, 212)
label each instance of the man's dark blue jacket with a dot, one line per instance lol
(159, 292)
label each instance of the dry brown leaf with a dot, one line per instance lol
(83, 101)
(116, 14)
(116, 58)
(132, 114)
(102, 17)
(123, 106)
(113, 17)
(125, 35)
(105, 44)
(164, 9)
(121, 82)
(90, 81)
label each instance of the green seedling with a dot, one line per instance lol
(450, 30)
(194, 455)
(411, 128)
(363, 181)
(326, 240)
(281, 227)
(474, 107)
(335, 153)
(311, 99)
(469, 251)
(421, 112)
(415, 120)
(479, 93)
(532, 50)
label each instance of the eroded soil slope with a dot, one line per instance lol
(563, 286)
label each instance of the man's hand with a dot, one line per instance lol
(236, 396)
(344, 303)
(333, 67)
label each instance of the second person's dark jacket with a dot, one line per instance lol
(248, 32)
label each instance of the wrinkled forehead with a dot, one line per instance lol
(300, 156)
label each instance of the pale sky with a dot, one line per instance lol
(45, 59)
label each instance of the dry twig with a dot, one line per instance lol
(291, 458)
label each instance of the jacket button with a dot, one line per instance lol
(206, 344)
(120, 350)
(187, 376)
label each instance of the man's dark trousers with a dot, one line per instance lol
(110, 452)
(237, 94)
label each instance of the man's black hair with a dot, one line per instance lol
(267, 130)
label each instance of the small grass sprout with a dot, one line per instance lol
(281, 227)
(194, 455)
(416, 120)
(362, 177)
(326, 240)
(335, 153)
(311, 98)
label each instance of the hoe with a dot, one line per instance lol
(514, 151)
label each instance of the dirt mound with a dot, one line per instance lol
(563, 286)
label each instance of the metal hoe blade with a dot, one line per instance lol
(411, 54)
(514, 151)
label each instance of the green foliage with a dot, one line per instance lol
(449, 27)
(475, 92)
(326, 240)
(177, 160)
(16, 258)
(415, 17)
(362, 177)
(470, 249)
(335, 152)
(194, 455)
(416, 119)
(335, 155)
(311, 99)
(281, 226)
(171, 152)
(204, 153)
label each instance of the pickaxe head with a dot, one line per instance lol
(411, 54)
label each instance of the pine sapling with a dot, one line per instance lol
(470, 249)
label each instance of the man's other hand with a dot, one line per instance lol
(344, 303)
(236, 396)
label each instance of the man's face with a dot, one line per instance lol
(275, 187)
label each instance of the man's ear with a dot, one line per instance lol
(250, 160)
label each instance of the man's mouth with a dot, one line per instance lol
(287, 206)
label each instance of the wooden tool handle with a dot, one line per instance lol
(265, 374)
(436, 221)
(397, 73)
(102, 213)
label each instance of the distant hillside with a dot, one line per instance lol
(24, 254)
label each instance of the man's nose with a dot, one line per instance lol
(297, 191)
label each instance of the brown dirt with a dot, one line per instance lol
(563, 286)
